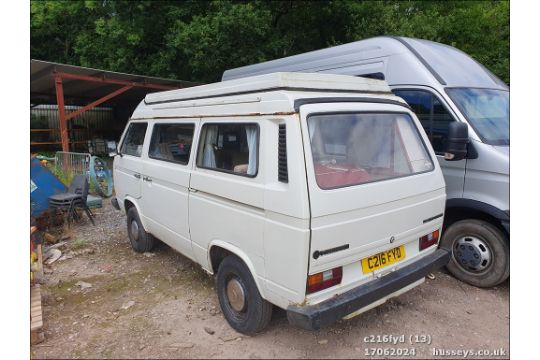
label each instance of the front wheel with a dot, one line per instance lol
(480, 252)
(140, 240)
(241, 303)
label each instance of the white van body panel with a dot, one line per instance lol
(207, 263)
(136, 204)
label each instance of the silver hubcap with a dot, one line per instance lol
(472, 253)
(236, 295)
(134, 230)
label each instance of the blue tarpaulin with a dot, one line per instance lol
(42, 185)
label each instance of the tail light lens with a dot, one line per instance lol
(324, 280)
(429, 240)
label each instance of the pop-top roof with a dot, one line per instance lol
(275, 81)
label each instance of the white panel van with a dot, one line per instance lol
(316, 193)
(443, 86)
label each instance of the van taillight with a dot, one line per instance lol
(429, 239)
(324, 280)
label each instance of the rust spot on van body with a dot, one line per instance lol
(214, 116)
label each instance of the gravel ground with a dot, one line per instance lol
(102, 300)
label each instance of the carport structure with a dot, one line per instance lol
(60, 84)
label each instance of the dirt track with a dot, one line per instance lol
(162, 305)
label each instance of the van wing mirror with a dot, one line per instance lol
(113, 149)
(458, 139)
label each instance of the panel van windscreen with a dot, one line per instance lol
(487, 110)
(356, 148)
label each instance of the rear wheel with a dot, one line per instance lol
(480, 252)
(241, 303)
(140, 240)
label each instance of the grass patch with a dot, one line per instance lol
(78, 243)
(66, 177)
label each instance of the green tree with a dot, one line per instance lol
(198, 40)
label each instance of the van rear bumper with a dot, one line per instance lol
(313, 317)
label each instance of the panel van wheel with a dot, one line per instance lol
(140, 240)
(480, 252)
(241, 303)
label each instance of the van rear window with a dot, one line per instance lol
(351, 149)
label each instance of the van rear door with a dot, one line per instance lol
(374, 185)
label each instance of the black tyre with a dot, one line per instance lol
(241, 303)
(480, 252)
(140, 240)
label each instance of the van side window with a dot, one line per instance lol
(171, 142)
(432, 114)
(134, 139)
(229, 147)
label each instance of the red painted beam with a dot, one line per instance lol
(113, 81)
(56, 142)
(93, 104)
(61, 113)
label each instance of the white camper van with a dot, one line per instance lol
(443, 86)
(319, 194)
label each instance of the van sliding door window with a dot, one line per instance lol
(134, 139)
(351, 149)
(432, 114)
(230, 147)
(171, 142)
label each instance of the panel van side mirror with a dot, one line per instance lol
(112, 148)
(458, 139)
(114, 152)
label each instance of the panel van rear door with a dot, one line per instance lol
(371, 179)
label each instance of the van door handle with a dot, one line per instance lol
(146, 178)
(138, 176)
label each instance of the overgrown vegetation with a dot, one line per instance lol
(198, 40)
(78, 243)
(65, 176)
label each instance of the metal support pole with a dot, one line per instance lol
(61, 113)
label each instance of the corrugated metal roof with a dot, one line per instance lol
(79, 92)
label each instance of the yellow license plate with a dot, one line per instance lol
(383, 259)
